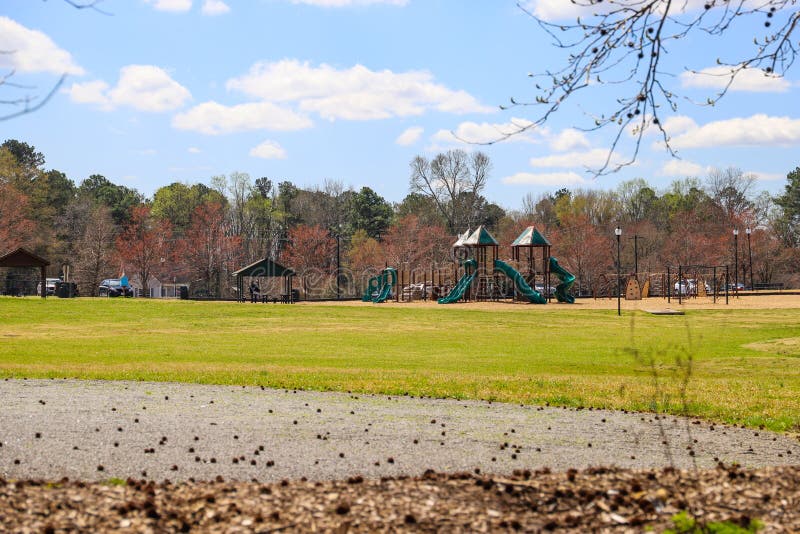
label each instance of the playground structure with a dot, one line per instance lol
(380, 288)
(488, 278)
(683, 282)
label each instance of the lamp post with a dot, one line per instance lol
(736, 260)
(338, 267)
(748, 231)
(618, 233)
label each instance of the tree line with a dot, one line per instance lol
(199, 233)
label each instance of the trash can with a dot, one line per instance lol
(295, 295)
(184, 293)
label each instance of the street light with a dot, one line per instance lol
(618, 233)
(748, 231)
(736, 260)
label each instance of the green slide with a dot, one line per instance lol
(388, 280)
(522, 286)
(457, 293)
(567, 279)
(373, 286)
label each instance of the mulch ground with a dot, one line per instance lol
(597, 500)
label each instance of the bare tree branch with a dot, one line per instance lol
(27, 103)
(623, 43)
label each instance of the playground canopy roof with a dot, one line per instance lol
(531, 237)
(266, 268)
(481, 237)
(461, 237)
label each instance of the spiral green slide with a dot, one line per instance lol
(567, 279)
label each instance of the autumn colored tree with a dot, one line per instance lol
(582, 249)
(410, 242)
(208, 250)
(143, 244)
(16, 229)
(365, 254)
(312, 254)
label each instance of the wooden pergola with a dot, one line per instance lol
(265, 268)
(21, 258)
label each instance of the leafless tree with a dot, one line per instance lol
(454, 180)
(95, 250)
(27, 103)
(624, 43)
(732, 189)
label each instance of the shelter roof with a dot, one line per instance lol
(266, 268)
(530, 237)
(22, 257)
(481, 237)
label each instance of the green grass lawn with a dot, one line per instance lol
(746, 363)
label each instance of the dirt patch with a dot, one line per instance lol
(751, 300)
(597, 500)
(789, 346)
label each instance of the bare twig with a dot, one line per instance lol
(624, 43)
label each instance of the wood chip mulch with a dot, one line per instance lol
(593, 500)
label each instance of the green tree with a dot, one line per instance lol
(177, 202)
(789, 202)
(118, 198)
(370, 212)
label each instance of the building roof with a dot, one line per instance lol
(530, 237)
(266, 268)
(22, 257)
(480, 237)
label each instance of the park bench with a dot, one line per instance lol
(777, 285)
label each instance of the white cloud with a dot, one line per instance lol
(214, 7)
(472, 132)
(147, 152)
(212, 118)
(174, 6)
(357, 93)
(26, 50)
(750, 80)
(268, 150)
(569, 139)
(193, 150)
(142, 87)
(678, 124)
(758, 130)
(91, 93)
(348, 3)
(590, 159)
(679, 167)
(410, 136)
(769, 176)
(552, 10)
(564, 10)
(556, 179)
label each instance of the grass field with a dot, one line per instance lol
(746, 362)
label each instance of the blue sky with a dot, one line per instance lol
(351, 90)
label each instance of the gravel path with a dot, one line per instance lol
(98, 430)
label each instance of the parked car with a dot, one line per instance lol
(50, 284)
(689, 287)
(540, 289)
(112, 287)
